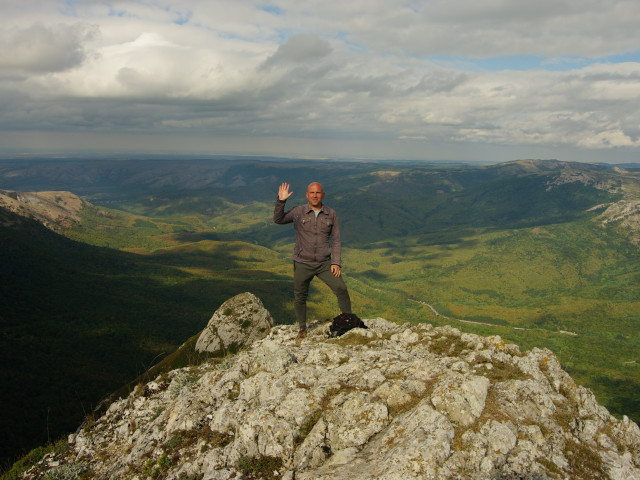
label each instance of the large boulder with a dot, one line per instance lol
(239, 321)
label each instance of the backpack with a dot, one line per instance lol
(343, 323)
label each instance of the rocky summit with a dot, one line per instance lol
(388, 402)
(238, 322)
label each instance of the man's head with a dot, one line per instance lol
(315, 194)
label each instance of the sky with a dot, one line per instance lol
(463, 80)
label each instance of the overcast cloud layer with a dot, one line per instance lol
(437, 79)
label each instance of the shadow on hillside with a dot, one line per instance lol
(448, 240)
(625, 399)
(218, 256)
(460, 243)
(192, 237)
(131, 313)
(372, 274)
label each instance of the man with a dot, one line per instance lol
(317, 249)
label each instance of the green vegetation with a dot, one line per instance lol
(32, 458)
(493, 250)
(264, 467)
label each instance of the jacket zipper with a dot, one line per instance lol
(315, 245)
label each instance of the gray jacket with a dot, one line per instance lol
(317, 240)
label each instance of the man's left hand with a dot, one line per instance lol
(335, 270)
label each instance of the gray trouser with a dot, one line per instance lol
(303, 273)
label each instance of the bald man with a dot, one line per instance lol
(317, 249)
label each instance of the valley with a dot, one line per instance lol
(542, 253)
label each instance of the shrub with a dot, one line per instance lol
(260, 467)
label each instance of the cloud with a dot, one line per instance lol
(481, 28)
(299, 49)
(327, 73)
(43, 48)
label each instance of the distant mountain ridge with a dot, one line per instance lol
(400, 199)
(87, 177)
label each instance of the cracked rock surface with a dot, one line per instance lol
(389, 402)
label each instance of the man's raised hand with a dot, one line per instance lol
(283, 192)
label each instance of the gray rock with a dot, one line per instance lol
(461, 398)
(239, 321)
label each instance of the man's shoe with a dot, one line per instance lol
(301, 334)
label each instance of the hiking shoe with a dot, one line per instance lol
(301, 334)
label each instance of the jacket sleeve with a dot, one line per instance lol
(279, 215)
(336, 242)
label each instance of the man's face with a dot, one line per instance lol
(315, 195)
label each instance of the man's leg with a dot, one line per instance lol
(337, 286)
(302, 275)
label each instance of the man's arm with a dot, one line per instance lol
(279, 216)
(336, 247)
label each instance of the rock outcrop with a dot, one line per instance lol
(627, 214)
(55, 210)
(239, 321)
(390, 402)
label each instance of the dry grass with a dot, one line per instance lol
(448, 346)
(585, 463)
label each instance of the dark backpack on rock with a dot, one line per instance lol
(343, 323)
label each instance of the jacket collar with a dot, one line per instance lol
(308, 209)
